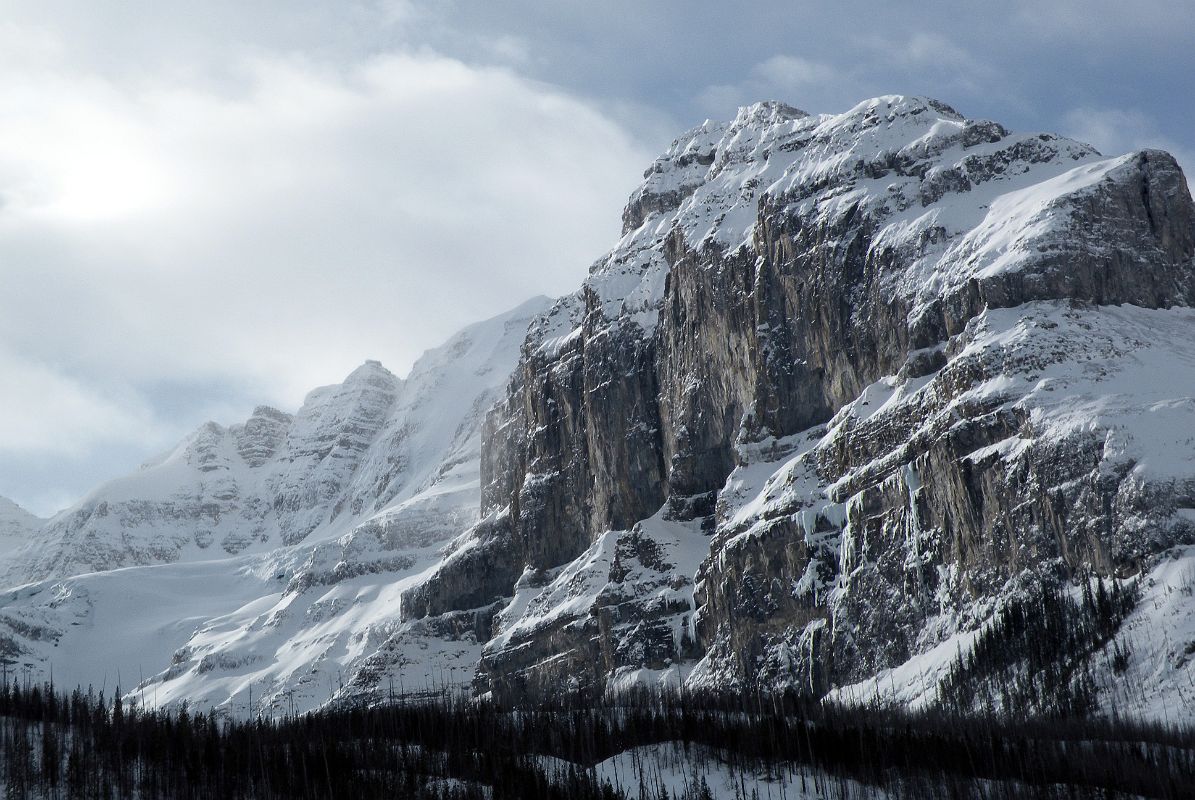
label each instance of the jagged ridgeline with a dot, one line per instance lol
(871, 406)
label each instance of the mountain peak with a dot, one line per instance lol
(371, 373)
(269, 412)
(12, 509)
(767, 112)
(369, 368)
(896, 318)
(895, 105)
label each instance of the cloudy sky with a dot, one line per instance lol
(209, 205)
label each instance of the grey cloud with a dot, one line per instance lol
(1120, 130)
(779, 76)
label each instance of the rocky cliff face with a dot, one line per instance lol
(873, 367)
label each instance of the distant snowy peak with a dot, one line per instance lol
(435, 424)
(262, 434)
(10, 511)
(17, 526)
(337, 415)
(277, 479)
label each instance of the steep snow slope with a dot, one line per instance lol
(386, 493)
(17, 527)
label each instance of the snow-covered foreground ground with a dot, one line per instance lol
(684, 773)
(669, 767)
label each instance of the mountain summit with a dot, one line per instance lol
(848, 387)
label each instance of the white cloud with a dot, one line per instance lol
(270, 230)
(790, 71)
(322, 216)
(779, 77)
(49, 412)
(932, 49)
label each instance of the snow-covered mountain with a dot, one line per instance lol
(353, 452)
(272, 480)
(854, 395)
(848, 388)
(17, 527)
(268, 557)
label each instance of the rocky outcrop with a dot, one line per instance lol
(778, 277)
(262, 434)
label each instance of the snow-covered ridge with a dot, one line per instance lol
(351, 451)
(914, 163)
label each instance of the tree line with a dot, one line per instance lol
(84, 745)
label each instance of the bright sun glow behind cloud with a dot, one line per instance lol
(70, 149)
(175, 251)
(104, 175)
